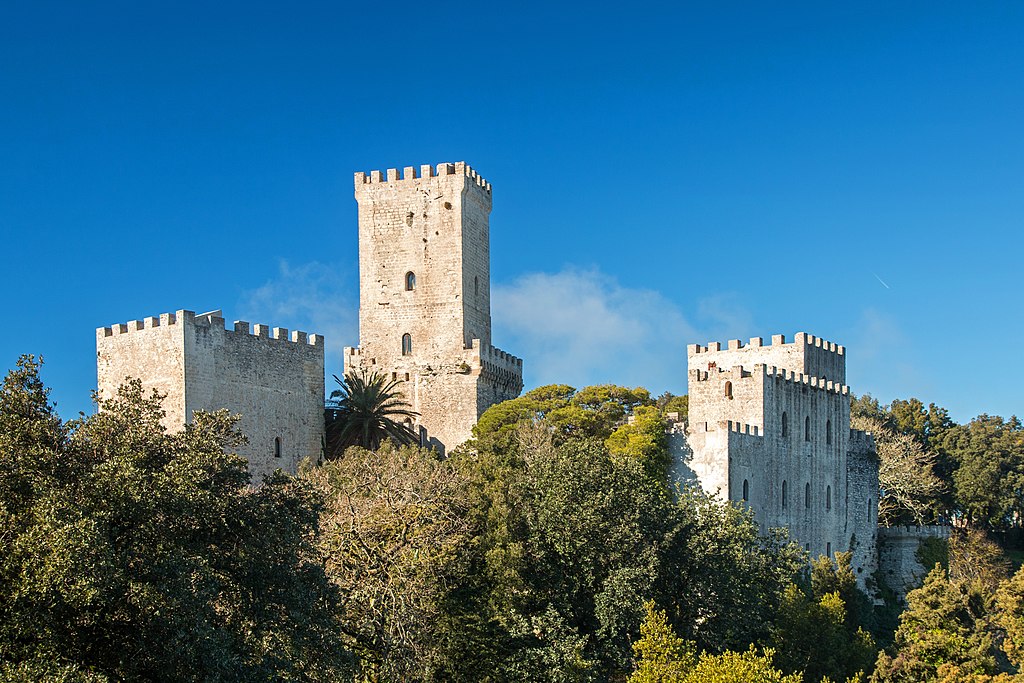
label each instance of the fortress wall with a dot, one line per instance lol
(897, 555)
(273, 380)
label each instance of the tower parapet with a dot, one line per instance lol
(806, 354)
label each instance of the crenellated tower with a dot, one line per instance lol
(424, 296)
(769, 425)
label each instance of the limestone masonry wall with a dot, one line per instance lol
(424, 296)
(273, 380)
(897, 555)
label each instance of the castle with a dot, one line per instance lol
(769, 425)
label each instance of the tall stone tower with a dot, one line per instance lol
(425, 296)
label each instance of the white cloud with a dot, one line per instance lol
(582, 327)
(315, 297)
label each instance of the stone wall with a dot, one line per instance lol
(898, 565)
(432, 224)
(273, 380)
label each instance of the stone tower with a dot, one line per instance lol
(770, 426)
(273, 380)
(425, 296)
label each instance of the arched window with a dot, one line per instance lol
(410, 281)
(783, 495)
(807, 496)
(728, 389)
(828, 497)
(785, 425)
(807, 429)
(828, 431)
(277, 447)
(746, 490)
(406, 344)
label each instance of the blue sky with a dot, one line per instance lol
(663, 174)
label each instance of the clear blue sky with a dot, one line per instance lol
(663, 174)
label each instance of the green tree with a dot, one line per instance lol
(398, 544)
(988, 480)
(644, 440)
(661, 655)
(664, 657)
(670, 403)
(944, 635)
(132, 554)
(591, 412)
(578, 539)
(821, 628)
(365, 411)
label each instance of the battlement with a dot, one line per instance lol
(738, 372)
(800, 339)
(426, 171)
(492, 354)
(213, 320)
(858, 436)
(806, 354)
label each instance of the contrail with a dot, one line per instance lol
(881, 280)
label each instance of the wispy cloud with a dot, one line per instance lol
(582, 327)
(316, 297)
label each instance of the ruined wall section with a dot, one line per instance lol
(275, 382)
(898, 563)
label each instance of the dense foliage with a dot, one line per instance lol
(131, 554)
(552, 547)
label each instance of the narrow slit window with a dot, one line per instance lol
(785, 425)
(807, 429)
(807, 496)
(406, 344)
(410, 281)
(746, 490)
(828, 431)
(828, 550)
(828, 498)
(784, 495)
(277, 447)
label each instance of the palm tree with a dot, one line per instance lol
(364, 411)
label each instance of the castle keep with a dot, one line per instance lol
(770, 426)
(425, 297)
(274, 381)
